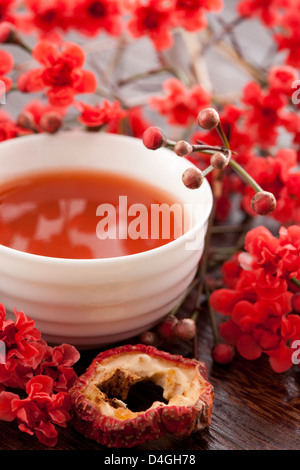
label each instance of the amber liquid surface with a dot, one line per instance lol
(55, 214)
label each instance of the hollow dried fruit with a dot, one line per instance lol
(99, 396)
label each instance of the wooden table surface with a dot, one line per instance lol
(254, 408)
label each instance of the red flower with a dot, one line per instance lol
(288, 38)
(180, 105)
(62, 75)
(28, 355)
(281, 79)
(262, 246)
(91, 16)
(267, 10)
(96, 116)
(153, 19)
(57, 363)
(45, 15)
(7, 10)
(262, 114)
(190, 14)
(6, 65)
(40, 411)
(259, 301)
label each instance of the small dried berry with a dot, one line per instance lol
(26, 121)
(183, 148)
(153, 138)
(185, 329)
(219, 161)
(149, 337)
(208, 118)
(166, 328)
(222, 353)
(51, 122)
(192, 178)
(263, 203)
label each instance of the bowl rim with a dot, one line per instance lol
(23, 255)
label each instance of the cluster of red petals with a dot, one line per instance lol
(100, 115)
(61, 75)
(180, 105)
(262, 113)
(288, 38)
(283, 16)
(7, 9)
(91, 16)
(40, 411)
(268, 11)
(151, 18)
(46, 373)
(258, 297)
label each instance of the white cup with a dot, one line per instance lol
(96, 302)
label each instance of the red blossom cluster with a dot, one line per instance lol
(45, 373)
(260, 297)
(151, 18)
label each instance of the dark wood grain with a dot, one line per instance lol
(254, 408)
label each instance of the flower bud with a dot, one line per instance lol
(219, 161)
(153, 138)
(222, 354)
(185, 329)
(51, 122)
(183, 148)
(7, 32)
(192, 178)
(263, 203)
(208, 118)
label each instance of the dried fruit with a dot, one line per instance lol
(99, 396)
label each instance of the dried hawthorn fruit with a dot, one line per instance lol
(99, 396)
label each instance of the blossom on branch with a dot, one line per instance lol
(62, 75)
(180, 105)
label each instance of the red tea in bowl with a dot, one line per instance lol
(87, 214)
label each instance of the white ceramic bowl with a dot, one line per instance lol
(91, 303)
